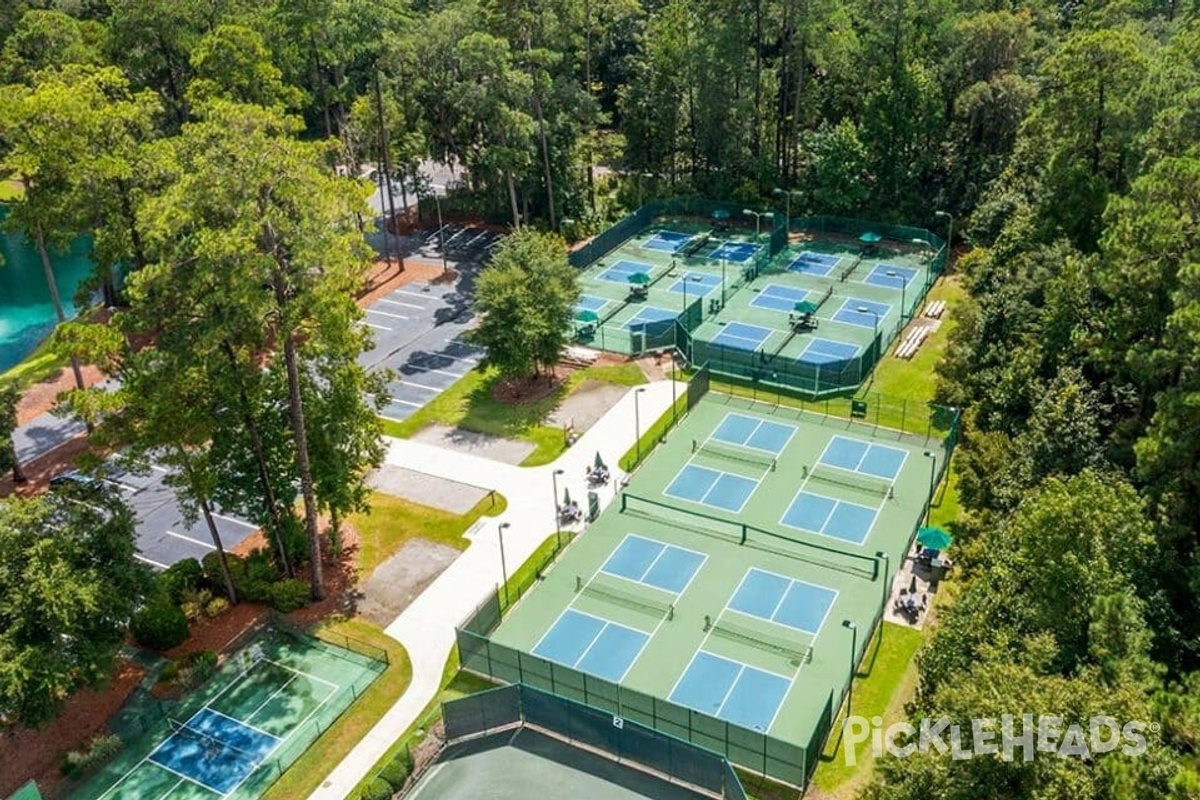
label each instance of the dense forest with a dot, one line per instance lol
(1063, 137)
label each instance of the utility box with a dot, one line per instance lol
(593, 506)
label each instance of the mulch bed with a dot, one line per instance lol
(515, 391)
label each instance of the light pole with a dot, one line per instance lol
(758, 215)
(932, 472)
(437, 201)
(722, 283)
(886, 588)
(853, 651)
(637, 423)
(557, 521)
(503, 566)
(875, 327)
(949, 234)
(787, 194)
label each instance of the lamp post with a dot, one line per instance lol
(503, 566)
(758, 215)
(886, 587)
(875, 327)
(891, 273)
(637, 423)
(787, 194)
(853, 651)
(557, 522)
(932, 472)
(437, 201)
(722, 283)
(949, 234)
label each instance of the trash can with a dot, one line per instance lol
(593, 506)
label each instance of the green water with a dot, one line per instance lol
(26, 313)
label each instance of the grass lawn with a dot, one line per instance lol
(393, 521)
(469, 404)
(914, 379)
(644, 446)
(41, 364)
(310, 770)
(885, 681)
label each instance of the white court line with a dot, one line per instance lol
(239, 721)
(824, 522)
(302, 673)
(385, 314)
(269, 699)
(209, 545)
(168, 792)
(391, 302)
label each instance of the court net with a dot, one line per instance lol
(848, 271)
(207, 741)
(726, 629)
(877, 487)
(719, 449)
(624, 597)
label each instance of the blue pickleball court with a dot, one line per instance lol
(591, 644)
(653, 563)
(778, 298)
(738, 252)
(214, 750)
(732, 691)
(851, 314)
(667, 241)
(712, 487)
(866, 458)
(759, 434)
(696, 283)
(891, 276)
(839, 519)
(784, 601)
(588, 302)
(827, 351)
(809, 263)
(621, 270)
(651, 320)
(740, 336)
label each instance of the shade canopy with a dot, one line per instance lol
(720, 213)
(599, 462)
(587, 316)
(805, 307)
(639, 279)
(870, 238)
(566, 496)
(934, 538)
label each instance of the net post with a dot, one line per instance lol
(744, 533)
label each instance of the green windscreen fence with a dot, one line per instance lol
(27, 792)
(597, 729)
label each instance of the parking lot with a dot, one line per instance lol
(163, 537)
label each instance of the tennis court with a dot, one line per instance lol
(698, 589)
(234, 738)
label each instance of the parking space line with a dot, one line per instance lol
(423, 386)
(438, 371)
(243, 523)
(398, 303)
(152, 563)
(376, 327)
(386, 313)
(412, 294)
(405, 403)
(209, 545)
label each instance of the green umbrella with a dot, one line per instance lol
(587, 316)
(599, 462)
(566, 496)
(805, 307)
(870, 238)
(934, 538)
(639, 279)
(720, 213)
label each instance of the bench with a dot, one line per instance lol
(916, 337)
(935, 309)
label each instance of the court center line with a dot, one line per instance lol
(187, 778)
(268, 700)
(237, 721)
(302, 673)
(729, 691)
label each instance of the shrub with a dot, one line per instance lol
(194, 601)
(101, 748)
(216, 607)
(397, 770)
(288, 595)
(160, 625)
(181, 577)
(377, 789)
(191, 670)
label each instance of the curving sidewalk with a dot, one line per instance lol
(426, 627)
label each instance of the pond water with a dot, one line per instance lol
(26, 313)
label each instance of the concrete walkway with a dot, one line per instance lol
(426, 627)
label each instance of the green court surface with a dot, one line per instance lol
(514, 767)
(237, 734)
(722, 578)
